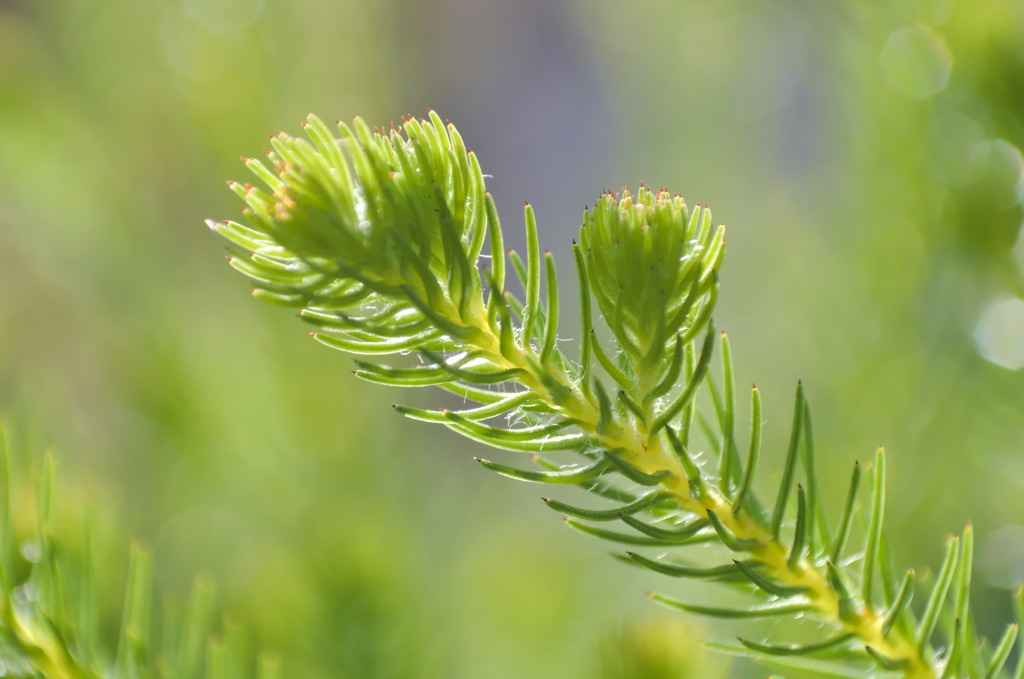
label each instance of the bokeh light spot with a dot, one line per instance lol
(999, 166)
(999, 334)
(223, 16)
(917, 61)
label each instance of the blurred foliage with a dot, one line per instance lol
(873, 203)
(661, 648)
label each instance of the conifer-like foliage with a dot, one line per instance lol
(53, 624)
(377, 237)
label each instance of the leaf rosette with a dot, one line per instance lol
(652, 265)
(373, 235)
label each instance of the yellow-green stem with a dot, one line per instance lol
(649, 455)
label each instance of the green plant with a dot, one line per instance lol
(53, 623)
(377, 238)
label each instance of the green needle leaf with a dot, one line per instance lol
(678, 535)
(551, 328)
(726, 571)
(686, 416)
(505, 327)
(624, 538)
(800, 534)
(671, 375)
(847, 608)
(501, 407)
(789, 471)
(903, 598)
(954, 657)
(631, 472)
(542, 444)
(196, 628)
(847, 516)
(753, 451)
(497, 275)
(938, 595)
(963, 591)
(816, 519)
(824, 668)
(484, 376)
(1001, 653)
(402, 377)
(728, 538)
(607, 417)
(691, 387)
(135, 626)
(874, 528)
(729, 472)
(532, 276)
(586, 320)
(769, 586)
(698, 488)
(797, 649)
(652, 499)
(632, 406)
(885, 662)
(563, 477)
(609, 366)
(601, 486)
(771, 610)
(538, 435)
(373, 348)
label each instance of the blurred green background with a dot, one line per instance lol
(864, 155)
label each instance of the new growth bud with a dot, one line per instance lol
(652, 268)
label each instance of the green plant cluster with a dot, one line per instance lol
(52, 614)
(376, 237)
